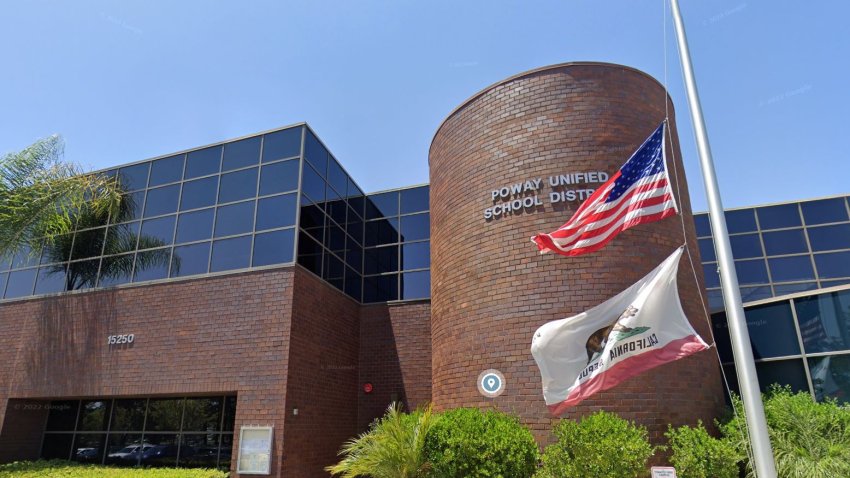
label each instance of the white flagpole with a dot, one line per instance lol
(744, 363)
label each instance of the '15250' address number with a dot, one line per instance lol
(120, 339)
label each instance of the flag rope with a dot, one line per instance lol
(744, 429)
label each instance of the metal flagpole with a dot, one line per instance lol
(744, 364)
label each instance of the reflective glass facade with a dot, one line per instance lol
(781, 249)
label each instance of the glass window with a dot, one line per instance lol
(706, 250)
(3, 279)
(791, 241)
(134, 177)
(355, 197)
(162, 200)
(833, 265)
(752, 294)
(203, 162)
(82, 274)
(312, 218)
(783, 372)
(94, 415)
(416, 285)
(751, 272)
(354, 226)
(771, 328)
(240, 154)
(190, 260)
(380, 260)
(337, 178)
(416, 255)
(742, 220)
(199, 193)
(828, 238)
(309, 253)
(715, 300)
(234, 219)
(382, 205)
(62, 415)
(334, 270)
(313, 185)
(198, 450)
(825, 283)
(89, 447)
(830, 377)
(20, 283)
(152, 265)
(203, 414)
(703, 225)
(746, 246)
(337, 210)
(121, 238)
(226, 451)
(51, 279)
(128, 414)
(315, 153)
(795, 268)
(166, 170)
(282, 144)
(335, 239)
(384, 231)
(353, 284)
(228, 254)
(380, 288)
(276, 211)
(5, 262)
(157, 232)
(25, 258)
(159, 450)
(238, 185)
(782, 289)
(229, 413)
(415, 227)
(824, 321)
(354, 256)
(115, 270)
(88, 243)
(57, 446)
(125, 449)
(779, 216)
(712, 277)
(279, 177)
(275, 247)
(415, 199)
(824, 211)
(132, 205)
(59, 251)
(195, 226)
(164, 414)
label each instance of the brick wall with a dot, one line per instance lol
(395, 357)
(491, 290)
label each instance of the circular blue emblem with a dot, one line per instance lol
(491, 383)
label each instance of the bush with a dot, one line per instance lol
(696, 454)
(809, 439)
(70, 469)
(602, 445)
(467, 443)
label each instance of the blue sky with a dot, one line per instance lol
(124, 81)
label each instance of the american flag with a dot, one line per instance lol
(638, 193)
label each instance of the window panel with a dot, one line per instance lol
(416, 285)
(279, 177)
(313, 185)
(276, 211)
(416, 255)
(225, 452)
(337, 210)
(310, 254)
(335, 239)
(282, 144)
(752, 294)
(380, 288)
(706, 250)
(796, 268)
(162, 451)
(354, 226)
(228, 254)
(824, 321)
(828, 238)
(703, 225)
(337, 178)
(134, 177)
(51, 279)
(88, 244)
(234, 219)
(746, 246)
(779, 216)
(5, 262)
(824, 211)
(354, 256)
(784, 242)
(89, 448)
(831, 377)
(199, 450)
(784, 372)
(59, 251)
(62, 416)
(121, 238)
(203, 162)
(94, 415)
(751, 272)
(152, 265)
(355, 198)
(833, 283)
(132, 205)
(742, 220)
(166, 170)
(157, 232)
(275, 247)
(164, 414)
(315, 153)
(240, 154)
(199, 193)
(380, 260)
(203, 414)
(333, 271)
(4, 277)
(382, 205)
(115, 270)
(712, 278)
(124, 449)
(20, 283)
(353, 284)
(229, 414)
(238, 185)
(25, 258)
(56, 446)
(384, 231)
(162, 200)
(415, 227)
(128, 414)
(195, 226)
(833, 265)
(771, 329)
(715, 300)
(415, 199)
(190, 260)
(783, 289)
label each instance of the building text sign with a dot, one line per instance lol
(528, 195)
(663, 472)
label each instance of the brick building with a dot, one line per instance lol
(253, 283)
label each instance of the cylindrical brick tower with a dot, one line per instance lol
(490, 288)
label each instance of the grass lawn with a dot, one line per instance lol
(66, 469)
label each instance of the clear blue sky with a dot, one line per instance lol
(124, 81)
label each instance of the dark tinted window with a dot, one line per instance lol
(162, 200)
(121, 238)
(333, 270)
(706, 250)
(828, 377)
(337, 177)
(827, 238)
(384, 231)
(234, 219)
(380, 260)
(782, 289)
(417, 226)
(203, 162)
(414, 200)
(164, 414)
(335, 239)
(115, 270)
(380, 288)
(771, 329)
(4, 277)
(279, 177)
(157, 232)
(416, 255)
(198, 450)
(353, 284)
(94, 415)
(195, 226)
(354, 226)
(715, 300)
(354, 256)
(312, 217)
(51, 279)
(199, 193)
(88, 243)
(128, 415)
(230, 254)
(275, 247)
(203, 414)
(751, 272)
(134, 177)
(62, 416)
(355, 198)
(20, 283)
(783, 372)
(830, 266)
(82, 274)
(312, 184)
(166, 170)
(752, 294)
(824, 211)
(276, 211)
(703, 225)
(791, 268)
(132, 206)
(151, 265)
(56, 446)
(315, 153)
(791, 241)
(382, 205)
(775, 217)
(743, 220)
(309, 253)
(59, 251)
(229, 413)
(190, 260)
(25, 258)
(337, 210)
(238, 185)
(282, 144)
(119, 443)
(89, 447)
(240, 154)
(746, 246)
(5, 262)
(712, 278)
(416, 285)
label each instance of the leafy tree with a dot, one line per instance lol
(697, 454)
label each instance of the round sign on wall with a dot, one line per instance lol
(491, 383)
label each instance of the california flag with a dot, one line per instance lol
(638, 329)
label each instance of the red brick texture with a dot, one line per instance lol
(490, 288)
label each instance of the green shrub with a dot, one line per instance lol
(602, 445)
(468, 443)
(69, 469)
(809, 439)
(696, 454)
